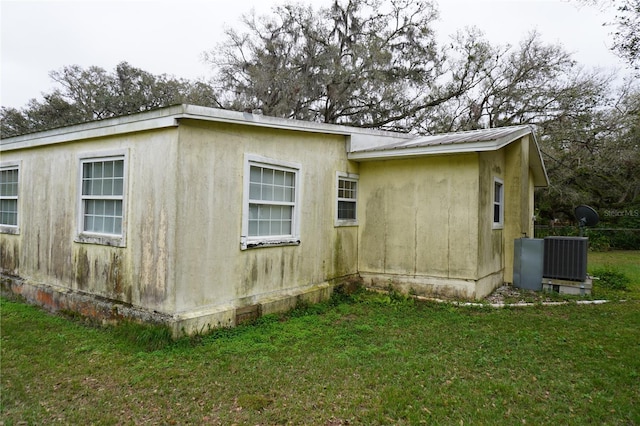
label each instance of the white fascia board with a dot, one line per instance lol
(360, 142)
(95, 129)
(424, 150)
(540, 176)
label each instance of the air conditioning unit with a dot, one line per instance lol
(565, 258)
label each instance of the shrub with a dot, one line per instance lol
(599, 242)
(611, 279)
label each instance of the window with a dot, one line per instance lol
(498, 203)
(346, 206)
(270, 208)
(9, 184)
(102, 200)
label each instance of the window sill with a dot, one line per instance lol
(497, 226)
(104, 240)
(246, 243)
(341, 223)
(9, 229)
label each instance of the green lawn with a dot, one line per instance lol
(626, 262)
(361, 359)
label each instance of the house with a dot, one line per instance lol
(198, 217)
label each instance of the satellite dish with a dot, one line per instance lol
(586, 216)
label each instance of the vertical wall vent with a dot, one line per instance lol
(565, 258)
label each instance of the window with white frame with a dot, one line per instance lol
(270, 211)
(498, 203)
(347, 195)
(102, 195)
(9, 185)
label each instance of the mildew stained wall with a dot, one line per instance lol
(211, 268)
(183, 219)
(420, 217)
(491, 241)
(45, 251)
(518, 209)
(496, 245)
(427, 219)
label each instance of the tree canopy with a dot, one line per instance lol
(378, 64)
(627, 33)
(362, 62)
(93, 94)
(374, 63)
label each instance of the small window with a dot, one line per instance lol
(498, 203)
(347, 195)
(102, 194)
(270, 212)
(9, 186)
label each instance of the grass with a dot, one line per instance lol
(624, 262)
(361, 359)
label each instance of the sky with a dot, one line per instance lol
(169, 37)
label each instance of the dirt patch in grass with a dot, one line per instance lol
(508, 294)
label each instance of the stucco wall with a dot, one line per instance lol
(45, 251)
(532, 206)
(429, 221)
(183, 220)
(211, 268)
(426, 221)
(420, 218)
(518, 200)
(490, 241)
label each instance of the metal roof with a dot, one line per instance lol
(456, 143)
(499, 135)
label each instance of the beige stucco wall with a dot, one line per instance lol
(491, 240)
(424, 223)
(428, 222)
(518, 200)
(511, 164)
(211, 268)
(44, 252)
(420, 222)
(184, 198)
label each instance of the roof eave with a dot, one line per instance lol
(536, 164)
(388, 154)
(540, 176)
(171, 116)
